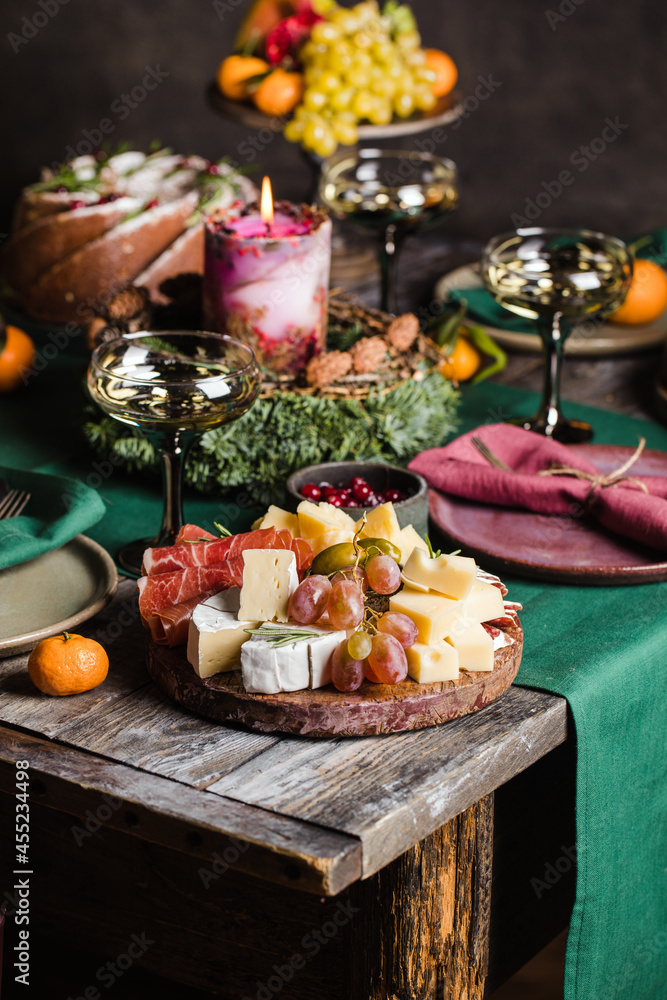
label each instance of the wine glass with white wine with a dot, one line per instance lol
(556, 278)
(173, 385)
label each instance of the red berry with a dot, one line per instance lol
(394, 496)
(380, 498)
(329, 491)
(361, 493)
(351, 503)
(153, 203)
(77, 203)
(311, 492)
(213, 169)
(335, 501)
(357, 481)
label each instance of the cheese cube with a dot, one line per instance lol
(269, 669)
(434, 616)
(474, 646)
(215, 639)
(483, 604)
(322, 542)
(428, 664)
(269, 578)
(319, 652)
(315, 519)
(381, 522)
(280, 519)
(410, 539)
(452, 576)
(226, 600)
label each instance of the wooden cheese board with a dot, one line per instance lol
(373, 710)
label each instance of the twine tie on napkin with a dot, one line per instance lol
(611, 479)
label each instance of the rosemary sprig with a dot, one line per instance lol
(224, 532)
(281, 635)
(432, 554)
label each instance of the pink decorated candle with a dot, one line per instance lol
(266, 282)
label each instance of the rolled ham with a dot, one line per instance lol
(169, 627)
(170, 558)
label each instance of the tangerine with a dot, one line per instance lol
(463, 362)
(67, 664)
(234, 73)
(16, 358)
(279, 92)
(647, 296)
(446, 73)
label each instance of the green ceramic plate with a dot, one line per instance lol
(53, 593)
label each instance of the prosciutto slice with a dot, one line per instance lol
(192, 533)
(170, 558)
(163, 590)
(169, 627)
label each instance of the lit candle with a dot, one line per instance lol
(266, 278)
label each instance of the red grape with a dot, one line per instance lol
(370, 674)
(383, 573)
(309, 600)
(345, 605)
(311, 492)
(357, 576)
(347, 674)
(387, 659)
(400, 626)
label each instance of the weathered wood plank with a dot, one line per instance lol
(104, 794)
(393, 791)
(426, 916)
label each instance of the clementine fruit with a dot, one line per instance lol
(279, 93)
(446, 73)
(16, 358)
(647, 296)
(67, 664)
(463, 362)
(234, 73)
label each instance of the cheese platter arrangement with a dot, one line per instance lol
(315, 624)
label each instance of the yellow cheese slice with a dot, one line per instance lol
(434, 616)
(429, 664)
(381, 522)
(474, 646)
(452, 576)
(411, 539)
(280, 519)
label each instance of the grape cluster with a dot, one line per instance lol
(359, 65)
(356, 493)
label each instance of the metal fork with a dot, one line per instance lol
(491, 458)
(13, 503)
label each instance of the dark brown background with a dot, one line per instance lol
(607, 58)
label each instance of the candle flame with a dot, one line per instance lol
(266, 202)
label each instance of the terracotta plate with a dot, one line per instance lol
(373, 710)
(601, 340)
(554, 547)
(54, 593)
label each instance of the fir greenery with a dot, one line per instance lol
(289, 430)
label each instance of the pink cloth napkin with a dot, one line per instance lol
(459, 469)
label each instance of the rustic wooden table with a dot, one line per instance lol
(254, 866)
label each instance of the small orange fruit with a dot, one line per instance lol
(446, 73)
(234, 73)
(16, 358)
(279, 93)
(463, 362)
(67, 664)
(647, 296)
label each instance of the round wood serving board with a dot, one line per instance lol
(371, 711)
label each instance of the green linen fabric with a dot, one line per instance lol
(604, 649)
(59, 508)
(483, 308)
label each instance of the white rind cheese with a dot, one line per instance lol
(227, 600)
(269, 669)
(215, 639)
(269, 578)
(320, 651)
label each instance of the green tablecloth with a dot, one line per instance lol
(604, 649)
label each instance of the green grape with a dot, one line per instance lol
(362, 40)
(359, 645)
(384, 87)
(347, 116)
(301, 113)
(382, 51)
(405, 82)
(407, 40)
(424, 98)
(359, 77)
(404, 104)
(346, 20)
(342, 98)
(362, 59)
(381, 113)
(415, 57)
(329, 82)
(344, 131)
(293, 130)
(325, 31)
(311, 50)
(424, 74)
(394, 69)
(314, 99)
(362, 104)
(341, 60)
(326, 144)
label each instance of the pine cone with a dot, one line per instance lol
(368, 354)
(326, 368)
(127, 304)
(402, 331)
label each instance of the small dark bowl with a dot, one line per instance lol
(380, 477)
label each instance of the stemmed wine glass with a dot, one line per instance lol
(556, 277)
(395, 192)
(173, 385)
